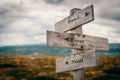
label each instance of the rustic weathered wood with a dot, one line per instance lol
(78, 61)
(73, 40)
(78, 74)
(79, 18)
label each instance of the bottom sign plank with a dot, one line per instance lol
(74, 62)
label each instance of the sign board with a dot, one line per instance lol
(74, 62)
(71, 40)
(79, 18)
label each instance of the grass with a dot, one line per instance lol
(21, 67)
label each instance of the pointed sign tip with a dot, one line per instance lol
(86, 14)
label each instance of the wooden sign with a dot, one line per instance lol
(79, 18)
(74, 62)
(71, 40)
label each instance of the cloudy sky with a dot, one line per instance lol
(26, 21)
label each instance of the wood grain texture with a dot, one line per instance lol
(79, 18)
(80, 73)
(76, 41)
(75, 62)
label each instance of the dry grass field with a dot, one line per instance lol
(21, 67)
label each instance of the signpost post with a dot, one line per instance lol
(77, 41)
(78, 74)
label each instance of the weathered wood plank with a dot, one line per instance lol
(74, 62)
(73, 40)
(79, 18)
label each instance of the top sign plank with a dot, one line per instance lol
(79, 18)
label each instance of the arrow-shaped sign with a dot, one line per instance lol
(69, 40)
(74, 62)
(79, 18)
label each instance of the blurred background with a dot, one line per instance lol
(24, 54)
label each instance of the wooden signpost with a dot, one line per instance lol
(72, 40)
(83, 46)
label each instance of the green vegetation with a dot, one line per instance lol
(45, 50)
(18, 73)
(43, 78)
(43, 68)
(7, 65)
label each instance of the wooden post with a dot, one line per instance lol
(77, 74)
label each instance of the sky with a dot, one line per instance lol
(25, 22)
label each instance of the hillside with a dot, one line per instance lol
(43, 49)
(21, 67)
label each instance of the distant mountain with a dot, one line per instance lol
(43, 49)
(31, 49)
(114, 49)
